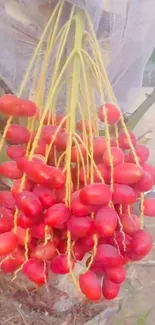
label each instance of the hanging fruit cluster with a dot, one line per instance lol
(36, 217)
(73, 191)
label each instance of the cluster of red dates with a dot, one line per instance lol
(35, 215)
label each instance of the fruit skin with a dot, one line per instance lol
(8, 242)
(8, 104)
(48, 133)
(104, 172)
(123, 140)
(99, 147)
(7, 200)
(78, 209)
(126, 259)
(75, 153)
(59, 119)
(61, 140)
(5, 212)
(59, 264)
(121, 241)
(124, 194)
(117, 156)
(142, 243)
(90, 286)
(17, 134)
(142, 153)
(106, 221)
(116, 274)
(150, 169)
(62, 247)
(12, 105)
(44, 252)
(60, 195)
(80, 227)
(145, 184)
(124, 209)
(6, 224)
(86, 126)
(38, 231)
(41, 147)
(25, 222)
(113, 142)
(38, 172)
(134, 257)
(15, 190)
(53, 155)
(108, 255)
(21, 235)
(112, 112)
(96, 267)
(57, 178)
(35, 170)
(16, 151)
(127, 173)
(35, 271)
(149, 207)
(110, 289)
(13, 261)
(29, 204)
(78, 250)
(130, 223)
(8, 266)
(95, 194)
(10, 169)
(87, 243)
(27, 108)
(45, 195)
(57, 215)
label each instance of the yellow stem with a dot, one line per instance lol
(74, 89)
(38, 49)
(93, 162)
